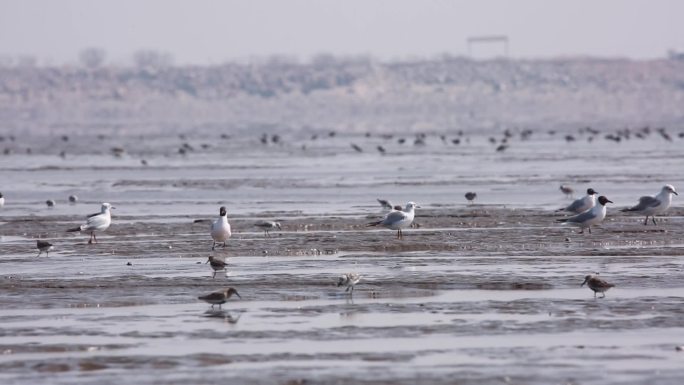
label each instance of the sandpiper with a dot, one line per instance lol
(50, 203)
(398, 219)
(567, 190)
(349, 280)
(268, 226)
(596, 284)
(652, 205)
(217, 264)
(96, 222)
(385, 204)
(220, 229)
(43, 246)
(470, 196)
(219, 297)
(73, 199)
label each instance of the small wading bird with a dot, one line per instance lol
(597, 285)
(219, 297)
(50, 203)
(220, 229)
(654, 205)
(593, 216)
(43, 246)
(398, 220)
(216, 265)
(470, 196)
(567, 190)
(96, 222)
(582, 204)
(73, 199)
(385, 204)
(349, 280)
(268, 226)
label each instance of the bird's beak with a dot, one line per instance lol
(675, 193)
(585, 281)
(112, 207)
(236, 293)
(609, 201)
(206, 261)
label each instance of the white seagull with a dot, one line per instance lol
(397, 220)
(268, 226)
(582, 204)
(96, 222)
(652, 205)
(593, 216)
(220, 229)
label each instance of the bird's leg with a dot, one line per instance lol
(94, 237)
(47, 253)
(213, 245)
(604, 294)
(212, 306)
(646, 221)
(213, 275)
(347, 289)
(589, 228)
(39, 252)
(653, 219)
(594, 294)
(90, 241)
(224, 244)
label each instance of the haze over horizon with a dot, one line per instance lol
(211, 32)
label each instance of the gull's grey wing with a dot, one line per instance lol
(92, 215)
(646, 203)
(583, 217)
(96, 221)
(393, 217)
(574, 206)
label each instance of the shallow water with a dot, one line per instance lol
(484, 293)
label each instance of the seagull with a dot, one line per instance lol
(597, 285)
(216, 265)
(593, 216)
(567, 190)
(582, 204)
(219, 297)
(650, 206)
(73, 199)
(2, 200)
(220, 229)
(385, 204)
(96, 222)
(268, 226)
(470, 196)
(349, 280)
(43, 246)
(50, 203)
(397, 220)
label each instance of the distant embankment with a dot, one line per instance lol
(360, 95)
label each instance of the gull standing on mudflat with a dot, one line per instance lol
(96, 222)
(652, 205)
(43, 246)
(349, 280)
(593, 216)
(217, 264)
(219, 297)
(582, 204)
(398, 220)
(220, 229)
(597, 285)
(268, 226)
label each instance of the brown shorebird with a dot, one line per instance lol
(470, 196)
(219, 297)
(216, 265)
(597, 285)
(268, 226)
(567, 190)
(43, 246)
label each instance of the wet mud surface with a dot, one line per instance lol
(474, 294)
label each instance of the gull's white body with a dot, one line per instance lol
(99, 222)
(397, 220)
(588, 218)
(220, 229)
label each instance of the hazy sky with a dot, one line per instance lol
(205, 31)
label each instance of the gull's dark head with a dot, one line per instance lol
(591, 191)
(210, 259)
(230, 291)
(1, 195)
(586, 279)
(603, 200)
(222, 211)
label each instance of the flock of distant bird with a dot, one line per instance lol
(589, 211)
